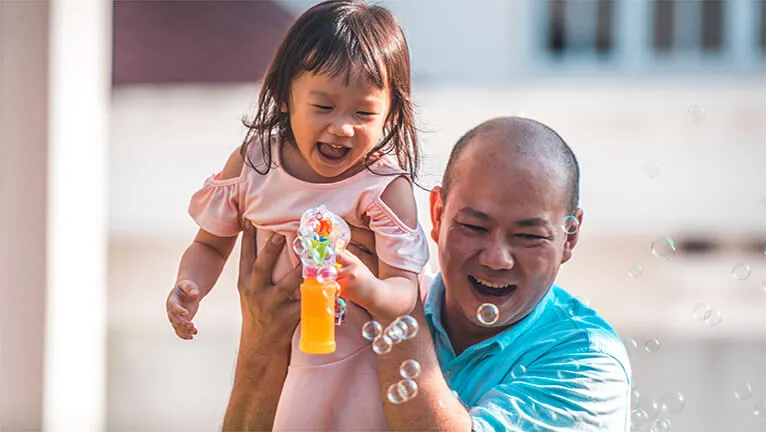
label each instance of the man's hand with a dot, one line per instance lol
(181, 306)
(270, 311)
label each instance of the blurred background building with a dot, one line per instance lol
(664, 103)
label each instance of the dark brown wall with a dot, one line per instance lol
(200, 41)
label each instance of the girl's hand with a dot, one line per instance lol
(182, 304)
(357, 283)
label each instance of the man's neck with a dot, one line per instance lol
(463, 333)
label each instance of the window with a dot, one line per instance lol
(687, 26)
(585, 26)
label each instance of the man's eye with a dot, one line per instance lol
(532, 237)
(474, 228)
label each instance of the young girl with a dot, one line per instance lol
(334, 126)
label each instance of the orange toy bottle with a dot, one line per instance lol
(318, 316)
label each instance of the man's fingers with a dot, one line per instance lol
(264, 263)
(247, 251)
(288, 288)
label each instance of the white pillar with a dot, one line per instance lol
(23, 154)
(75, 345)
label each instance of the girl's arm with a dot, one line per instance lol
(200, 267)
(394, 292)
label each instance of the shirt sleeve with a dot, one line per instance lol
(397, 244)
(215, 207)
(585, 392)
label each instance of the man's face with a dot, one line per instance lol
(500, 233)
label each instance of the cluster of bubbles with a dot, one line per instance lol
(744, 391)
(403, 328)
(406, 388)
(649, 414)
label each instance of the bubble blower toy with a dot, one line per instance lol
(322, 234)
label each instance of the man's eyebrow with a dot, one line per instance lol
(533, 222)
(472, 212)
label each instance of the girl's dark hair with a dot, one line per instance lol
(332, 38)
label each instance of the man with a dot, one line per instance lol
(547, 363)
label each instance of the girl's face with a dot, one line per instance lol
(335, 124)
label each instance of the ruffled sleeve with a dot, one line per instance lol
(215, 207)
(397, 244)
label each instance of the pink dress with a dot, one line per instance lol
(338, 391)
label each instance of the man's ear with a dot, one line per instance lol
(571, 239)
(436, 206)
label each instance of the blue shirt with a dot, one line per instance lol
(560, 368)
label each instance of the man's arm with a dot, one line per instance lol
(270, 314)
(434, 407)
(258, 381)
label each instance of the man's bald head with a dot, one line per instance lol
(523, 138)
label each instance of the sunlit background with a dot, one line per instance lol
(663, 102)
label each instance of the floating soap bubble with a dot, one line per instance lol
(371, 330)
(743, 391)
(570, 224)
(697, 113)
(636, 270)
(663, 247)
(395, 395)
(638, 418)
(394, 333)
(410, 324)
(409, 387)
(652, 346)
(635, 397)
(518, 371)
(382, 345)
(714, 319)
(672, 403)
(759, 409)
(409, 369)
(740, 271)
(651, 168)
(631, 346)
(702, 311)
(487, 314)
(661, 425)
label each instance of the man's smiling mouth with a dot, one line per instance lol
(491, 288)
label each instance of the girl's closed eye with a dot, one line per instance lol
(322, 107)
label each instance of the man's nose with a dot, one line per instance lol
(497, 255)
(342, 127)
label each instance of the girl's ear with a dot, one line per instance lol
(283, 108)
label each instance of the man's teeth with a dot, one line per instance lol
(490, 284)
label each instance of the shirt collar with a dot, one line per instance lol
(433, 310)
